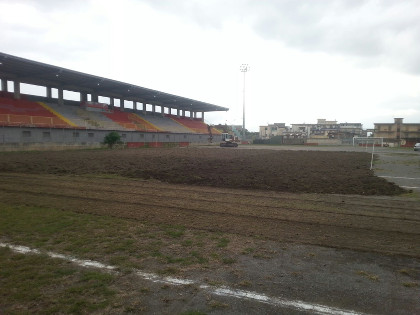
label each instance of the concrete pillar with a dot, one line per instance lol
(4, 85)
(49, 92)
(202, 116)
(177, 112)
(60, 96)
(122, 104)
(153, 109)
(111, 102)
(16, 85)
(135, 105)
(95, 97)
(83, 96)
(144, 108)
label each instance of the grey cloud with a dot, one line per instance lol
(371, 32)
(44, 33)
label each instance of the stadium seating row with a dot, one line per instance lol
(24, 112)
(27, 113)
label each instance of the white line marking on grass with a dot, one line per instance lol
(298, 305)
(220, 291)
(408, 187)
(400, 177)
(83, 263)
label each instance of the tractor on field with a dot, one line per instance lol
(229, 140)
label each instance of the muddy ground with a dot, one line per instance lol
(320, 237)
(285, 171)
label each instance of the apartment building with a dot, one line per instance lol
(398, 133)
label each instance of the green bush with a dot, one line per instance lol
(112, 138)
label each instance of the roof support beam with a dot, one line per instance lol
(60, 96)
(49, 91)
(3, 85)
(16, 89)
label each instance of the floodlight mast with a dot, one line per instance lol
(244, 68)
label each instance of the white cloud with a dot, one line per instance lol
(355, 61)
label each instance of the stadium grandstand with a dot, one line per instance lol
(152, 118)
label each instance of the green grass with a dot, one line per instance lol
(248, 250)
(223, 242)
(228, 260)
(57, 286)
(35, 283)
(96, 237)
(174, 231)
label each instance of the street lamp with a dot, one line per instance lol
(244, 68)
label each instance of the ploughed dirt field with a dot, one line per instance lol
(273, 210)
(285, 171)
(300, 198)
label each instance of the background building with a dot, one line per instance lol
(324, 131)
(398, 133)
(273, 130)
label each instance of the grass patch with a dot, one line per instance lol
(217, 304)
(168, 271)
(248, 250)
(408, 272)
(175, 231)
(35, 283)
(199, 258)
(223, 242)
(411, 284)
(214, 283)
(228, 260)
(124, 243)
(245, 284)
(367, 275)
(119, 242)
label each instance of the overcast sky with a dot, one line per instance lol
(344, 60)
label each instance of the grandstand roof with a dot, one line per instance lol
(37, 73)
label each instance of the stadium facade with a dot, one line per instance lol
(142, 116)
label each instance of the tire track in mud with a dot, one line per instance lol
(371, 201)
(259, 210)
(395, 208)
(275, 213)
(217, 214)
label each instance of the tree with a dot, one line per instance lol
(112, 138)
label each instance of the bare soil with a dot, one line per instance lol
(285, 171)
(273, 211)
(358, 223)
(305, 199)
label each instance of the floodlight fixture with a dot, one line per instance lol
(244, 67)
